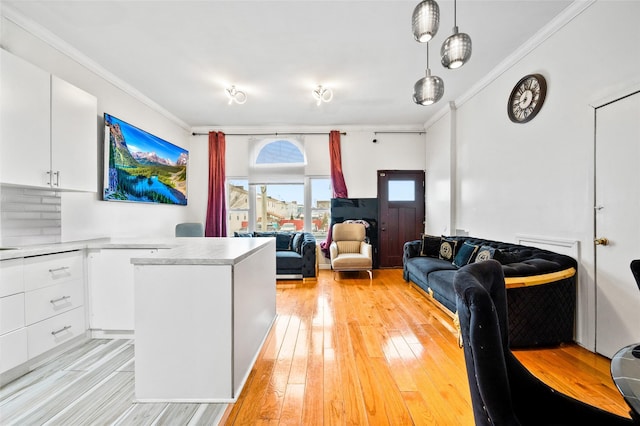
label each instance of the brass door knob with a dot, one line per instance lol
(601, 242)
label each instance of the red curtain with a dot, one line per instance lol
(216, 225)
(337, 180)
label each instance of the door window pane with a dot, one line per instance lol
(402, 190)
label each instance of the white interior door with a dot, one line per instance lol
(617, 219)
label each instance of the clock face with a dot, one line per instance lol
(527, 98)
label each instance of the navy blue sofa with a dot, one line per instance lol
(541, 285)
(295, 253)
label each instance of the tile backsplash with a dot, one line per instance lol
(29, 216)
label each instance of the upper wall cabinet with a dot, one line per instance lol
(48, 129)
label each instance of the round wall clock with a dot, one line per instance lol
(527, 98)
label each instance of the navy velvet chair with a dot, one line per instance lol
(190, 229)
(503, 391)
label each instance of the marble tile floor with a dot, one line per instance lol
(93, 384)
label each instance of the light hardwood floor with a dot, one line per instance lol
(346, 352)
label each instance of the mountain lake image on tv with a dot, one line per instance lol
(142, 167)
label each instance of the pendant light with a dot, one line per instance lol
(425, 20)
(456, 49)
(429, 89)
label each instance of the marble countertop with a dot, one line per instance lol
(206, 251)
(175, 251)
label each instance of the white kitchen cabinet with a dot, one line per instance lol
(13, 334)
(25, 112)
(48, 137)
(111, 288)
(54, 300)
(74, 143)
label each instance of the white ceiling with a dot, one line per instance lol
(182, 54)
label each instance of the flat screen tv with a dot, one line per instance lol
(141, 167)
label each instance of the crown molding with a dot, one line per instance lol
(65, 48)
(555, 25)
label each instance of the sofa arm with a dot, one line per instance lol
(308, 253)
(409, 250)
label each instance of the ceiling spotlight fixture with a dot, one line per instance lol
(429, 89)
(237, 96)
(425, 20)
(456, 49)
(322, 94)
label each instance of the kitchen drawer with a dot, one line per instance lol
(13, 349)
(49, 301)
(11, 276)
(11, 313)
(43, 271)
(47, 334)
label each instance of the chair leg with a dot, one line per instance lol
(370, 274)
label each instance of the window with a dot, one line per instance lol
(237, 205)
(277, 195)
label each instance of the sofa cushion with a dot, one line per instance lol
(441, 284)
(429, 245)
(283, 241)
(422, 266)
(447, 249)
(465, 254)
(243, 234)
(288, 262)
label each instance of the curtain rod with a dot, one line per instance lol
(417, 132)
(266, 134)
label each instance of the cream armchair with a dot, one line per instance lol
(349, 250)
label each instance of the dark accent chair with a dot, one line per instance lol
(503, 391)
(635, 269)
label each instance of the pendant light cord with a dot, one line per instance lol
(455, 14)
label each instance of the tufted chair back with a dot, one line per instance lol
(503, 391)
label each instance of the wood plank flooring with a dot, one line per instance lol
(344, 352)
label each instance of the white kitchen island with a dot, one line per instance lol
(202, 312)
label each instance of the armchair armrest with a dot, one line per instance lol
(409, 250)
(366, 249)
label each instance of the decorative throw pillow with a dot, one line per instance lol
(465, 254)
(447, 249)
(505, 257)
(296, 242)
(283, 241)
(485, 253)
(430, 245)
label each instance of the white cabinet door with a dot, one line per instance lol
(74, 137)
(25, 157)
(111, 288)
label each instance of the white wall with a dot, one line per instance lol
(537, 178)
(84, 215)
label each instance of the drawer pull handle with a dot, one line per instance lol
(62, 268)
(60, 299)
(66, 327)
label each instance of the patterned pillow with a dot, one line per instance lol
(429, 245)
(465, 254)
(485, 253)
(447, 249)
